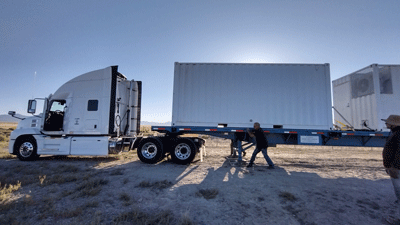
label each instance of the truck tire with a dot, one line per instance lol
(150, 150)
(26, 149)
(184, 151)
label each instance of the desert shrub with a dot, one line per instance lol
(57, 179)
(207, 193)
(287, 196)
(93, 204)
(144, 184)
(67, 168)
(124, 197)
(155, 185)
(6, 155)
(91, 187)
(185, 219)
(117, 172)
(6, 191)
(3, 137)
(74, 212)
(139, 217)
(65, 193)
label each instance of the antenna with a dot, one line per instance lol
(34, 84)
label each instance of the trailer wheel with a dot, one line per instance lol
(184, 151)
(26, 149)
(150, 150)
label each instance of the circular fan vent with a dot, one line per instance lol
(363, 85)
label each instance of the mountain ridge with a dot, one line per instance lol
(10, 119)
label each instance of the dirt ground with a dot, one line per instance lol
(310, 185)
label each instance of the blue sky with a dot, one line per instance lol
(62, 39)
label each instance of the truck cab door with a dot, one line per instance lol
(54, 117)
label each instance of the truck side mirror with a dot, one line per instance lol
(32, 106)
(11, 113)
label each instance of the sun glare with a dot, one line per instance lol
(255, 60)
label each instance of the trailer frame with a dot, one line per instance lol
(239, 135)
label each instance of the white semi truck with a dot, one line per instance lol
(98, 113)
(92, 114)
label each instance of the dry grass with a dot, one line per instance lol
(138, 217)
(287, 196)
(69, 213)
(91, 187)
(128, 156)
(117, 172)
(124, 197)
(7, 125)
(164, 217)
(14, 178)
(145, 130)
(185, 219)
(66, 168)
(3, 137)
(57, 179)
(155, 185)
(5, 131)
(6, 191)
(4, 153)
(96, 220)
(66, 193)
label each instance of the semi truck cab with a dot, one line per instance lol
(88, 115)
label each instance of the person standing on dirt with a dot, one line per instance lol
(261, 145)
(391, 153)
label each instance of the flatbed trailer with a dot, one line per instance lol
(287, 136)
(241, 141)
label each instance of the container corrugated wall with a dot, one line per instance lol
(291, 95)
(367, 96)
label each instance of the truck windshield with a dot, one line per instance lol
(58, 105)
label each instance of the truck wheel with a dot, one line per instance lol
(184, 151)
(150, 150)
(26, 149)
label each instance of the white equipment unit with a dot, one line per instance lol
(368, 95)
(296, 96)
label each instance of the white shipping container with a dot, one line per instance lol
(368, 95)
(296, 96)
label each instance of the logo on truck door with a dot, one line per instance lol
(76, 121)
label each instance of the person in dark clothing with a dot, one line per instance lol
(391, 152)
(391, 158)
(261, 145)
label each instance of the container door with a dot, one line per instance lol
(341, 101)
